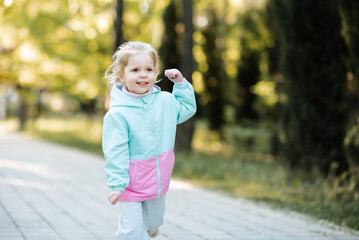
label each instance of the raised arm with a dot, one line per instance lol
(184, 95)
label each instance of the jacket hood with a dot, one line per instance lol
(120, 99)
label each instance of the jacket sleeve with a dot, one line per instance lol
(115, 149)
(185, 101)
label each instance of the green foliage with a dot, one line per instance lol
(250, 138)
(55, 43)
(253, 66)
(313, 63)
(352, 144)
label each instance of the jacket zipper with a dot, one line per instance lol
(158, 175)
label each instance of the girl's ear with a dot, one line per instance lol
(120, 77)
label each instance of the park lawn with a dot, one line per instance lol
(230, 170)
(78, 132)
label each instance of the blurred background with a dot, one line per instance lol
(276, 83)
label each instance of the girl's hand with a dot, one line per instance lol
(113, 197)
(174, 75)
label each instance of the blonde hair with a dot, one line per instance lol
(121, 57)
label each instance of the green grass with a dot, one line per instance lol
(242, 168)
(272, 183)
(78, 132)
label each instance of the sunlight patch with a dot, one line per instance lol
(181, 185)
(23, 183)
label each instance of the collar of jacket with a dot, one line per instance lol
(120, 99)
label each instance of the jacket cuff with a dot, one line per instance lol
(183, 82)
(121, 189)
(182, 85)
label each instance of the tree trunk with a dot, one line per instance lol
(214, 79)
(23, 116)
(169, 51)
(349, 10)
(185, 130)
(248, 70)
(118, 24)
(248, 76)
(350, 15)
(187, 57)
(23, 108)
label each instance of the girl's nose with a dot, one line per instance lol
(143, 74)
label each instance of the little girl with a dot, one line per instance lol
(138, 137)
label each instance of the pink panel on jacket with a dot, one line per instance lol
(167, 161)
(144, 180)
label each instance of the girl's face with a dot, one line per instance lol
(139, 75)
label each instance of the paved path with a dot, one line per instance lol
(50, 192)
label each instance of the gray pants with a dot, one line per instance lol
(138, 217)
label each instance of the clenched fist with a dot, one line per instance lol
(113, 197)
(174, 75)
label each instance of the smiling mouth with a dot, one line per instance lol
(142, 83)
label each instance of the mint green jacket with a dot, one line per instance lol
(138, 140)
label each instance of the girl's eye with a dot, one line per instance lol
(149, 69)
(135, 70)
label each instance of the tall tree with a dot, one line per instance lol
(313, 62)
(213, 77)
(185, 130)
(169, 51)
(187, 56)
(248, 69)
(118, 24)
(350, 15)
